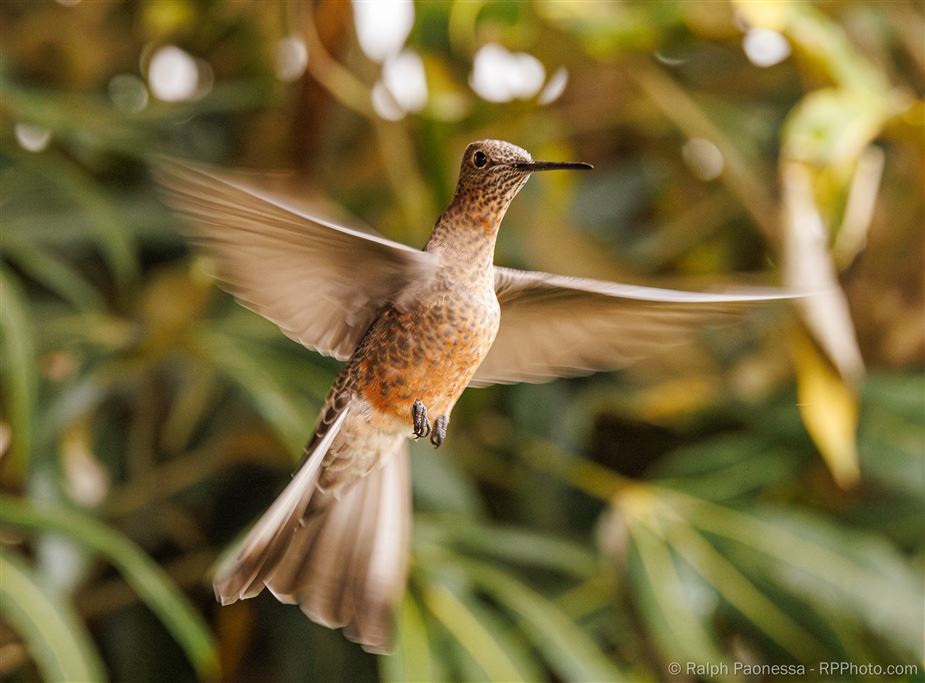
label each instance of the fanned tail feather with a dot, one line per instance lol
(268, 540)
(344, 561)
(346, 567)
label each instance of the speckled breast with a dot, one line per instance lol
(427, 353)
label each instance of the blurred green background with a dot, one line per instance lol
(756, 499)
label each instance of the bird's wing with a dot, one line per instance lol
(560, 326)
(322, 283)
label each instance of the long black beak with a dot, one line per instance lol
(532, 166)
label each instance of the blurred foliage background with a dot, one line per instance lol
(759, 499)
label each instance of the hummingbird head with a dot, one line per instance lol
(492, 173)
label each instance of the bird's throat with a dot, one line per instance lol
(466, 238)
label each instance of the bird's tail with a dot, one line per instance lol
(345, 562)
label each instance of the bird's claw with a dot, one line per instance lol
(419, 420)
(439, 433)
(422, 424)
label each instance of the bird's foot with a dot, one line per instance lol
(422, 424)
(439, 433)
(419, 420)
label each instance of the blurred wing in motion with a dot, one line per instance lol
(322, 283)
(560, 326)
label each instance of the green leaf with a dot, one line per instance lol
(830, 127)
(73, 112)
(17, 358)
(852, 574)
(411, 659)
(568, 650)
(195, 398)
(471, 633)
(892, 433)
(113, 238)
(153, 586)
(902, 395)
(54, 273)
(740, 592)
(727, 466)
(275, 403)
(440, 485)
(48, 624)
(681, 629)
(508, 637)
(513, 544)
(847, 571)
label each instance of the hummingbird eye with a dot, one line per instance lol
(479, 159)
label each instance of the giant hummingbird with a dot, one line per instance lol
(415, 328)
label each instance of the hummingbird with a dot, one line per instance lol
(415, 328)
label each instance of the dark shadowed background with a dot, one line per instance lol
(757, 498)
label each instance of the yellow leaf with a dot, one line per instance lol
(770, 14)
(676, 398)
(829, 408)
